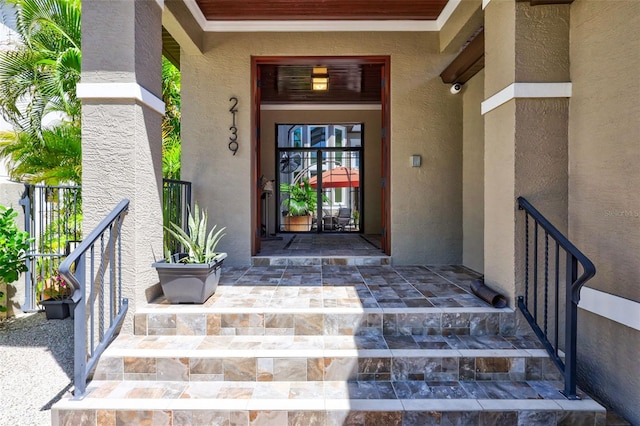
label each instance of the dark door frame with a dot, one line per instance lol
(256, 193)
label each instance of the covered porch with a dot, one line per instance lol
(511, 131)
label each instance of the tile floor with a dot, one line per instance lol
(348, 286)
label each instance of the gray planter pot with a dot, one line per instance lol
(56, 309)
(189, 282)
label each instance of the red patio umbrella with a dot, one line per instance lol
(339, 177)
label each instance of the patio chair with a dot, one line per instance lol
(329, 222)
(343, 218)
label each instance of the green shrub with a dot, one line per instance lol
(14, 245)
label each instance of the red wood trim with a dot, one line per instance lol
(386, 155)
(256, 213)
(385, 61)
(468, 62)
(543, 2)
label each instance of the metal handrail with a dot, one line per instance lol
(572, 282)
(103, 293)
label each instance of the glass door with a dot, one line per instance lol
(319, 177)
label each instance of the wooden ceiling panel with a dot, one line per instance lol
(348, 83)
(321, 9)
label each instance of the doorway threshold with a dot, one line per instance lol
(322, 249)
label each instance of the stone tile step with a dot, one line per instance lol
(286, 260)
(326, 403)
(344, 286)
(163, 319)
(274, 358)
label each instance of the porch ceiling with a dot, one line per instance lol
(349, 82)
(321, 10)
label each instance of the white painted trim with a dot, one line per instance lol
(446, 13)
(319, 25)
(130, 91)
(320, 107)
(485, 3)
(610, 306)
(526, 90)
(196, 12)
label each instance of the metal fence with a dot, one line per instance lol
(176, 202)
(53, 219)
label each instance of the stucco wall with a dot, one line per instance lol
(121, 67)
(541, 48)
(499, 42)
(499, 208)
(604, 177)
(121, 138)
(118, 162)
(426, 212)
(473, 174)
(525, 138)
(371, 144)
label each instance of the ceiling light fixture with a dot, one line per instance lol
(320, 78)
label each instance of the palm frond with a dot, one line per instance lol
(41, 74)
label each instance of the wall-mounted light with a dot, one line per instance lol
(320, 78)
(416, 160)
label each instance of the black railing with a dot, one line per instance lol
(541, 305)
(99, 306)
(176, 202)
(53, 219)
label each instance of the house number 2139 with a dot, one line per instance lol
(233, 139)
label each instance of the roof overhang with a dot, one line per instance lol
(419, 15)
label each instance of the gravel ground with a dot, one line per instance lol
(36, 367)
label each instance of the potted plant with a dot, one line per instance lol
(299, 206)
(54, 294)
(14, 245)
(192, 276)
(356, 219)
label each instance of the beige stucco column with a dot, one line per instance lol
(526, 120)
(122, 110)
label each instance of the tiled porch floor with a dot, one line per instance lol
(344, 286)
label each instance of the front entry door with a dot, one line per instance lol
(320, 171)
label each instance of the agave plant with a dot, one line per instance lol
(200, 247)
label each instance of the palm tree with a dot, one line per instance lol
(40, 75)
(56, 160)
(171, 146)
